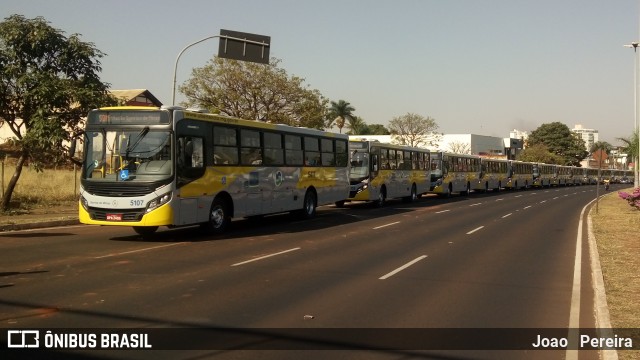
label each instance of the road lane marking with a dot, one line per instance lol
(501, 199)
(474, 230)
(402, 268)
(518, 196)
(543, 201)
(266, 256)
(526, 207)
(443, 211)
(476, 204)
(554, 198)
(385, 225)
(509, 214)
(135, 251)
(574, 311)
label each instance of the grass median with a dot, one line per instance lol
(616, 227)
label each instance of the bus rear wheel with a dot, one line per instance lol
(219, 218)
(382, 197)
(309, 205)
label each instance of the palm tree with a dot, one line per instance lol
(339, 112)
(356, 126)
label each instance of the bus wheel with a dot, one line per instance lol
(413, 196)
(309, 205)
(219, 218)
(382, 197)
(145, 231)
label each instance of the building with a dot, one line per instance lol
(589, 136)
(482, 145)
(136, 97)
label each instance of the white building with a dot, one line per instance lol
(464, 144)
(589, 136)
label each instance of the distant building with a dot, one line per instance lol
(589, 136)
(136, 97)
(489, 146)
(518, 134)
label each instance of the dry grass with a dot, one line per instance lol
(41, 189)
(617, 230)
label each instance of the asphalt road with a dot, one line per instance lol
(499, 263)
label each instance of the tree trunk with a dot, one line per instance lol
(6, 200)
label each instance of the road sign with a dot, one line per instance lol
(244, 46)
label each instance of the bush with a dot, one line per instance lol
(633, 199)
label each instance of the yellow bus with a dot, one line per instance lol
(382, 171)
(544, 175)
(452, 173)
(493, 176)
(520, 175)
(147, 167)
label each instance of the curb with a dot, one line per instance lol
(603, 321)
(38, 225)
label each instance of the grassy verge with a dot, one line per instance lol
(41, 189)
(617, 231)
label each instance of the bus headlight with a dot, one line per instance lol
(159, 201)
(85, 203)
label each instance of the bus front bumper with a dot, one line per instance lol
(162, 216)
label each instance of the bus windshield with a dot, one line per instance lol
(128, 155)
(359, 165)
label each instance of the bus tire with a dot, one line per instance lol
(219, 218)
(145, 231)
(309, 205)
(413, 196)
(382, 197)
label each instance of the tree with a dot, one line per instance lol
(356, 125)
(560, 140)
(254, 91)
(48, 83)
(339, 112)
(539, 153)
(630, 146)
(414, 130)
(459, 147)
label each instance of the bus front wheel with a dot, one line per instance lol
(219, 218)
(145, 231)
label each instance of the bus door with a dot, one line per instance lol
(193, 207)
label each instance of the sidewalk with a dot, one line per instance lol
(59, 215)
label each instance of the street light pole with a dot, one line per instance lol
(175, 68)
(636, 128)
(263, 44)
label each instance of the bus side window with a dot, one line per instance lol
(190, 158)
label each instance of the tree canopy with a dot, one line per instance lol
(48, 83)
(339, 113)
(539, 153)
(561, 141)
(254, 91)
(414, 130)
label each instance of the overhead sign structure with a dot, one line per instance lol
(233, 45)
(244, 46)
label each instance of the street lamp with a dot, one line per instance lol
(636, 166)
(254, 48)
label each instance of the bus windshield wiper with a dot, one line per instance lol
(140, 136)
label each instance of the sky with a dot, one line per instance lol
(475, 66)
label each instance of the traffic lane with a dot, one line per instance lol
(158, 268)
(120, 266)
(326, 279)
(127, 268)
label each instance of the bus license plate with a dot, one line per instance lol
(114, 217)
